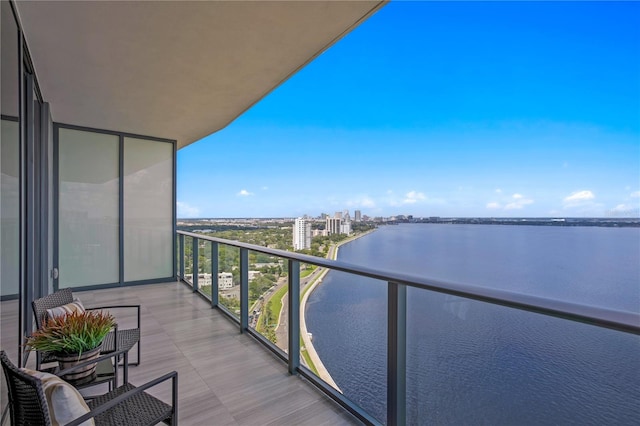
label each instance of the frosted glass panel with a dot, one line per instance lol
(148, 209)
(9, 80)
(10, 208)
(9, 155)
(88, 208)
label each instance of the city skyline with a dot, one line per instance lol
(441, 109)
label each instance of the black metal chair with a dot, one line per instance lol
(125, 405)
(120, 339)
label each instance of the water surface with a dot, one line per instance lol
(474, 363)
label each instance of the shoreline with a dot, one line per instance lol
(323, 373)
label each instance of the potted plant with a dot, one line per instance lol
(73, 338)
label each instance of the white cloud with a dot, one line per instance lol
(184, 210)
(624, 210)
(362, 201)
(579, 197)
(518, 204)
(582, 202)
(367, 202)
(635, 194)
(244, 193)
(498, 191)
(412, 197)
(621, 208)
(264, 188)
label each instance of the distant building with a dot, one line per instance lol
(333, 225)
(203, 279)
(301, 234)
(345, 228)
(337, 215)
(358, 216)
(319, 233)
(225, 280)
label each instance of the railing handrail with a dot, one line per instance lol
(623, 321)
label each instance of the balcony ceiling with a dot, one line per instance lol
(179, 70)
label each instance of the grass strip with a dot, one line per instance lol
(307, 358)
(276, 302)
(308, 271)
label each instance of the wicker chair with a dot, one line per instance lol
(116, 340)
(125, 405)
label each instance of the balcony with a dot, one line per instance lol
(400, 371)
(232, 373)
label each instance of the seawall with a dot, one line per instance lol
(323, 373)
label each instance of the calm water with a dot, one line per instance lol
(473, 363)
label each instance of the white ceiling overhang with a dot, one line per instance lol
(178, 70)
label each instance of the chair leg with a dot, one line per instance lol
(5, 412)
(135, 364)
(114, 384)
(126, 367)
(174, 400)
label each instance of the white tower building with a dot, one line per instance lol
(301, 234)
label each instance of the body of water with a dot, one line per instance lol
(474, 363)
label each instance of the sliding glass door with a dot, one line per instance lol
(148, 209)
(116, 208)
(88, 208)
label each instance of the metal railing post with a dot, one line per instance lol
(194, 263)
(244, 289)
(397, 355)
(181, 249)
(294, 316)
(214, 275)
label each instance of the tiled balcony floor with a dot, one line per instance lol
(225, 378)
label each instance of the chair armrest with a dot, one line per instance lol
(118, 307)
(121, 398)
(93, 308)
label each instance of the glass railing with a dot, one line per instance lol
(398, 349)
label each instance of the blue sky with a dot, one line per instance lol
(489, 109)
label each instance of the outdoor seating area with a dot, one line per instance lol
(123, 339)
(221, 376)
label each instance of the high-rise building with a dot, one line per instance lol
(333, 225)
(345, 228)
(301, 234)
(358, 216)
